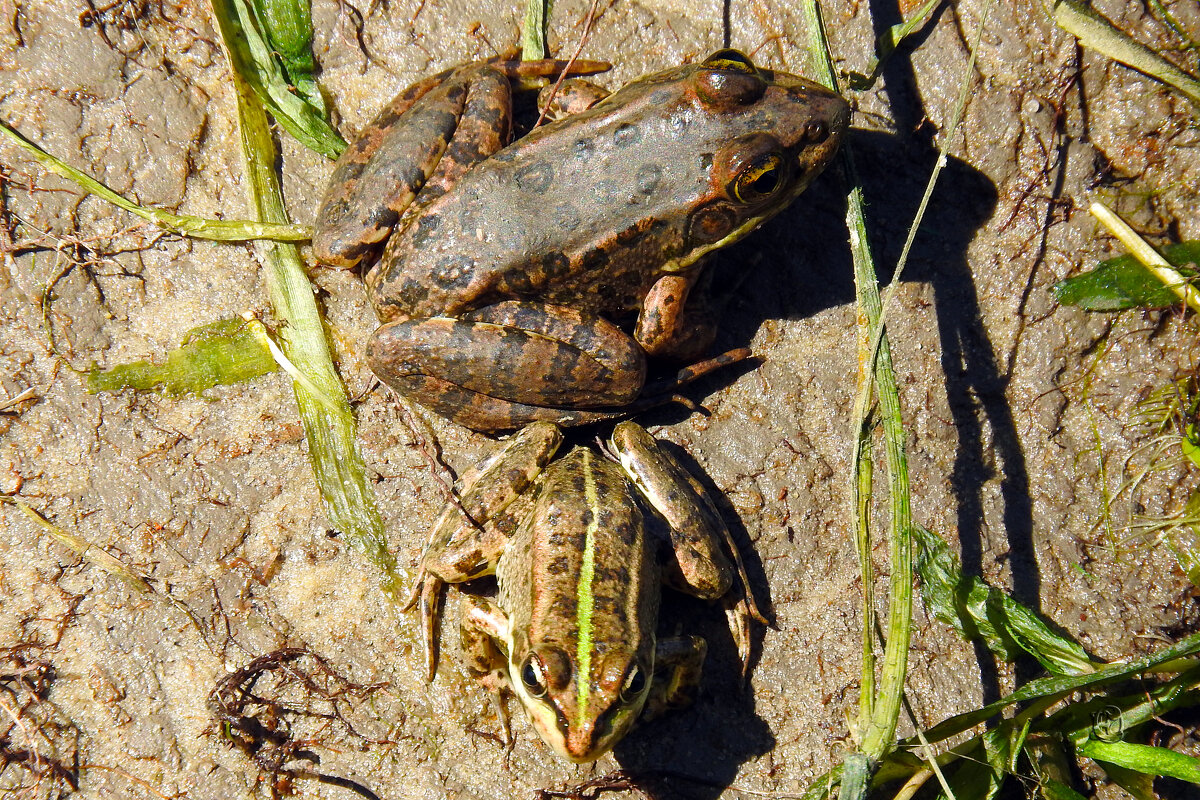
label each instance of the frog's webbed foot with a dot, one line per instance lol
(512, 363)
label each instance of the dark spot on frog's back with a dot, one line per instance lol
(535, 177)
(555, 264)
(381, 217)
(648, 177)
(427, 225)
(565, 605)
(584, 148)
(412, 293)
(627, 134)
(558, 566)
(349, 171)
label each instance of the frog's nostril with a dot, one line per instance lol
(816, 130)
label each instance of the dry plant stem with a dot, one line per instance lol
(83, 548)
(228, 230)
(1149, 257)
(333, 448)
(1097, 33)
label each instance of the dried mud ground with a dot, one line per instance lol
(1018, 410)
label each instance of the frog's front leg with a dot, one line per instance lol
(512, 363)
(483, 624)
(676, 320)
(470, 535)
(678, 663)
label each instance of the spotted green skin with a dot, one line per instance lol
(574, 544)
(531, 281)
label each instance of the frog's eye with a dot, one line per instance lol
(759, 180)
(635, 684)
(731, 59)
(532, 678)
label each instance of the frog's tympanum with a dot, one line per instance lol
(580, 546)
(530, 281)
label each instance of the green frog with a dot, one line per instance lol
(531, 281)
(580, 545)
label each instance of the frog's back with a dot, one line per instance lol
(580, 570)
(591, 210)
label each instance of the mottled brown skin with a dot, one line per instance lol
(575, 543)
(594, 225)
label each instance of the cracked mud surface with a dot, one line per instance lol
(1018, 409)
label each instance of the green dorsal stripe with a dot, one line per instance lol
(585, 605)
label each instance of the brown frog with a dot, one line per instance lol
(510, 275)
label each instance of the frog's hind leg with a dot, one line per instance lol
(697, 531)
(402, 150)
(512, 363)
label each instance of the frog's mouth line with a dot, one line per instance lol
(683, 263)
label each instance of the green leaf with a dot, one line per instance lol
(979, 611)
(222, 352)
(253, 58)
(1122, 282)
(1143, 758)
(981, 777)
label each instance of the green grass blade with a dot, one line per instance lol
(251, 57)
(979, 611)
(333, 448)
(981, 777)
(879, 716)
(533, 29)
(227, 230)
(1095, 31)
(1144, 758)
(886, 44)
(219, 353)
(878, 733)
(1055, 687)
(287, 26)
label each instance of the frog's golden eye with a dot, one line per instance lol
(759, 180)
(635, 684)
(532, 677)
(731, 59)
